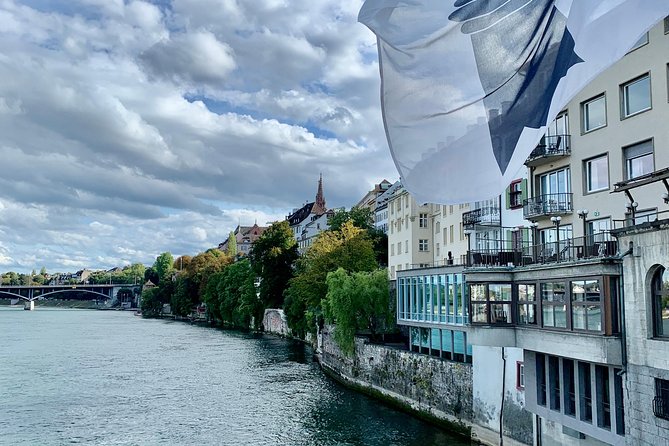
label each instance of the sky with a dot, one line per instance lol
(130, 128)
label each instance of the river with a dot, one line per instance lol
(110, 378)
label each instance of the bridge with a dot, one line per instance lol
(110, 294)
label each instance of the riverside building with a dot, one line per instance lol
(557, 291)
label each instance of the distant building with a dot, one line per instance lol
(246, 236)
(369, 200)
(310, 220)
(381, 208)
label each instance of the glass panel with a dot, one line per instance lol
(594, 317)
(597, 171)
(637, 96)
(585, 391)
(459, 342)
(541, 379)
(640, 166)
(415, 336)
(554, 382)
(479, 313)
(500, 313)
(560, 316)
(444, 297)
(549, 319)
(500, 292)
(447, 341)
(595, 114)
(527, 314)
(569, 387)
(436, 339)
(603, 397)
(578, 317)
(526, 293)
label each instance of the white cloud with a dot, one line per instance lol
(129, 128)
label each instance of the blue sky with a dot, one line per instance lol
(129, 128)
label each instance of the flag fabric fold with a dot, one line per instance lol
(468, 87)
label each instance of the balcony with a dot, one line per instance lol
(549, 149)
(574, 249)
(487, 216)
(548, 204)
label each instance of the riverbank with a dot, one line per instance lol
(56, 303)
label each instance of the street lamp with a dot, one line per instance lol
(535, 240)
(631, 209)
(468, 233)
(556, 221)
(583, 215)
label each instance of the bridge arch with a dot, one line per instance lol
(15, 295)
(73, 290)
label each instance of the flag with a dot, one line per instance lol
(468, 87)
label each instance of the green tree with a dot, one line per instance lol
(151, 303)
(357, 301)
(272, 258)
(360, 217)
(42, 271)
(238, 302)
(232, 245)
(203, 266)
(181, 263)
(181, 301)
(163, 267)
(349, 248)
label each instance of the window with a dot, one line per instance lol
(450, 209)
(392, 249)
(661, 400)
(422, 220)
(585, 391)
(586, 305)
(593, 113)
(643, 40)
(516, 194)
(569, 387)
(554, 382)
(603, 397)
(491, 304)
(451, 233)
(437, 228)
(639, 159)
(406, 246)
(599, 231)
(554, 305)
(437, 250)
(597, 174)
(527, 305)
(541, 379)
(660, 302)
(666, 25)
(520, 375)
(635, 96)
(422, 245)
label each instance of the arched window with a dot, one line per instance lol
(660, 301)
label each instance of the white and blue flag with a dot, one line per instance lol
(468, 87)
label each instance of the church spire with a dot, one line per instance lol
(319, 204)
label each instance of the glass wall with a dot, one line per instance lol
(444, 343)
(438, 298)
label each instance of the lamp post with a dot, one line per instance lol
(535, 240)
(556, 222)
(468, 233)
(631, 208)
(583, 215)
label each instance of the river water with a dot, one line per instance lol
(110, 378)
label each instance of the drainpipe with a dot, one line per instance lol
(501, 406)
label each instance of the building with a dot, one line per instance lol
(369, 201)
(381, 208)
(553, 305)
(245, 236)
(310, 220)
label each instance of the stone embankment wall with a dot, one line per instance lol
(274, 321)
(430, 387)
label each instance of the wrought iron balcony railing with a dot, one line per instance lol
(487, 216)
(550, 147)
(548, 204)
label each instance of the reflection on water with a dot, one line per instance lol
(107, 377)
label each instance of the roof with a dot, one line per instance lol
(300, 215)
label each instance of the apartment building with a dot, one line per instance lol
(552, 305)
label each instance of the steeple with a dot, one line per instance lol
(319, 204)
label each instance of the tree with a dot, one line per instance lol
(232, 245)
(163, 267)
(357, 301)
(181, 263)
(151, 304)
(203, 266)
(42, 271)
(272, 258)
(360, 217)
(349, 248)
(238, 302)
(181, 301)
(150, 274)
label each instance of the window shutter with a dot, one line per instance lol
(523, 189)
(508, 197)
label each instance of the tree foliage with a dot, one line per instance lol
(360, 217)
(164, 267)
(357, 301)
(349, 248)
(232, 245)
(272, 258)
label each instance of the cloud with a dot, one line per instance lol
(131, 128)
